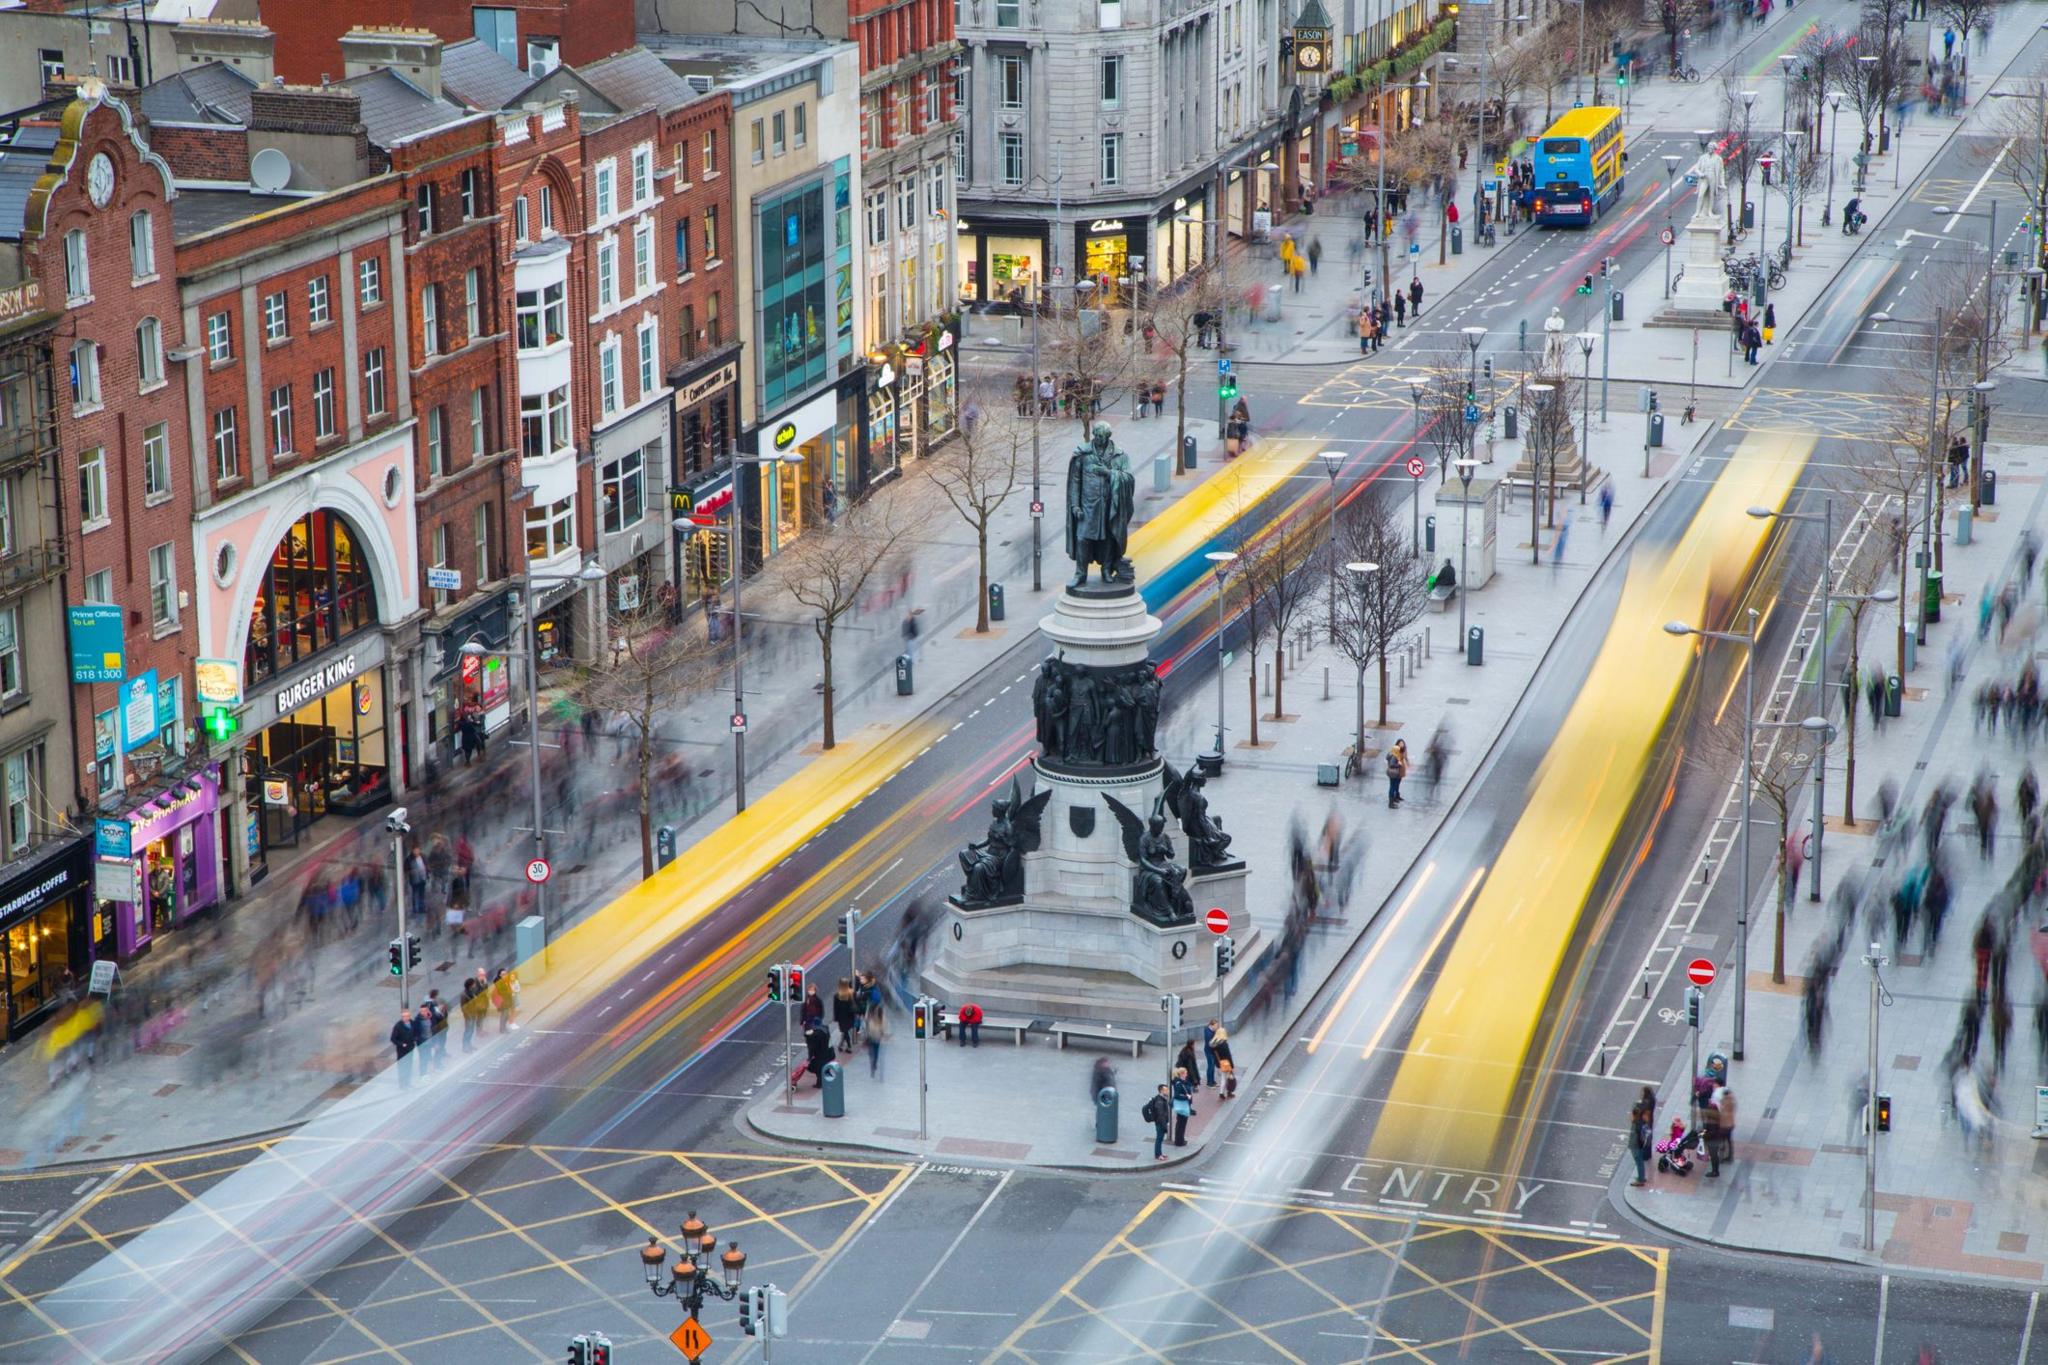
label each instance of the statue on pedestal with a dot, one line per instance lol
(1159, 891)
(1085, 714)
(1208, 845)
(994, 866)
(1101, 496)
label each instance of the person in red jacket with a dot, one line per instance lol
(969, 1031)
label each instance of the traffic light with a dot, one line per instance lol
(221, 724)
(1692, 1006)
(796, 982)
(848, 922)
(579, 1350)
(1884, 1113)
(776, 1319)
(775, 985)
(938, 1016)
(750, 1311)
(1586, 285)
(412, 950)
(1486, 367)
(1226, 955)
(600, 1350)
(397, 958)
(920, 1020)
(1226, 387)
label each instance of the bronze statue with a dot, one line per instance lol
(1159, 891)
(995, 865)
(1101, 493)
(1096, 715)
(1208, 845)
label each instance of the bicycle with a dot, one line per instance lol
(1685, 72)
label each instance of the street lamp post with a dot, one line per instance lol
(1361, 569)
(1221, 559)
(1748, 104)
(1834, 126)
(1466, 468)
(1475, 337)
(1791, 155)
(1380, 157)
(1670, 169)
(1935, 336)
(591, 572)
(1586, 342)
(2041, 202)
(690, 1281)
(1748, 640)
(1540, 434)
(1875, 959)
(1333, 461)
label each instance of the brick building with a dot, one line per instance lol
(534, 35)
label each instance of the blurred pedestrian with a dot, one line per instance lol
(1209, 1050)
(1397, 768)
(505, 997)
(845, 1014)
(873, 1029)
(476, 1006)
(1185, 1061)
(1226, 1063)
(1183, 1105)
(1157, 1111)
(402, 1043)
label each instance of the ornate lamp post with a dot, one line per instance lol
(1222, 560)
(1333, 460)
(690, 1279)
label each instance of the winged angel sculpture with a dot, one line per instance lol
(1159, 889)
(1208, 845)
(995, 865)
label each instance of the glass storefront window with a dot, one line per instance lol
(316, 593)
(38, 955)
(328, 754)
(793, 249)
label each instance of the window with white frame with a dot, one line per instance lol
(477, 437)
(606, 198)
(778, 132)
(373, 381)
(156, 460)
(77, 266)
(1011, 145)
(472, 304)
(21, 774)
(757, 141)
(650, 357)
(643, 174)
(683, 245)
(608, 377)
(519, 211)
(163, 584)
(480, 537)
(878, 217)
(10, 686)
(625, 491)
(437, 442)
(935, 190)
(430, 319)
(541, 316)
(220, 338)
(324, 423)
(319, 309)
(1009, 13)
(423, 210)
(1112, 83)
(1112, 158)
(227, 446)
(643, 255)
(440, 549)
(906, 204)
(710, 161)
(149, 354)
(800, 121)
(551, 529)
(607, 272)
(1109, 14)
(545, 197)
(544, 423)
(711, 235)
(85, 375)
(99, 587)
(934, 103)
(92, 488)
(281, 420)
(276, 320)
(960, 156)
(370, 282)
(1010, 82)
(142, 245)
(472, 192)
(6, 517)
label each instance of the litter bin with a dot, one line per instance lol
(1894, 694)
(1429, 533)
(903, 675)
(665, 845)
(1513, 421)
(995, 601)
(1615, 299)
(1988, 493)
(1962, 526)
(1105, 1115)
(1475, 646)
(1930, 596)
(834, 1090)
(1187, 452)
(1457, 240)
(1657, 430)
(1748, 213)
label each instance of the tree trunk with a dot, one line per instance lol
(1180, 405)
(1383, 675)
(824, 629)
(1849, 729)
(1778, 929)
(1443, 232)
(1279, 681)
(1359, 752)
(981, 555)
(646, 770)
(1251, 687)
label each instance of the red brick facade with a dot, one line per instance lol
(309, 35)
(702, 324)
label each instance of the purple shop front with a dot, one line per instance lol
(177, 866)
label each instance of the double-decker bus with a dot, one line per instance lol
(1578, 163)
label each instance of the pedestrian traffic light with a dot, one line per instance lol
(397, 958)
(412, 950)
(221, 724)
(848, 922)
(920, 1020)
(1226, 955)
(1692, 1006)
(775, 985)
(938, 1016)
(750, 1311)
(1884, 1113)
(1226, 387)
(1586, 285)
(579, 1350)
(600, 1350)
(796, 982)
(776, 1319)
(1486, 367)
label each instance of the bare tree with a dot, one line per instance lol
(828, 568)
(985, 464)
(1854, 584)
(1777, 768)
(1279, 568)
(1873, 86)
(2018, 137)
(1425, 160)
(1176, 322)
(653, 666)
(1894, 465)
(1968, 17)
(1739, 147)
(1374, 607)
(1092, 348)
(1549, 419)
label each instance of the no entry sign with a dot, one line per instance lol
(1218, 920)
(1415, 466)
(1700, 972)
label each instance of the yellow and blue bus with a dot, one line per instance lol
(1578, 165)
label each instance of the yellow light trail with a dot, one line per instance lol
(1372, 956)
(1422, 963)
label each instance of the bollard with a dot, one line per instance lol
(1511, 421)
(1162, 471)
(1912, 651)
(1429, 534)
(1656, 430)
(995, 601)
(1326, 682)
(833, 1090)
(1457, 240)
(1105, 1115)
(1962, 526)
(1428, 638)
(903, 675)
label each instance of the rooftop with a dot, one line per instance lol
(21, 164)
(636, 79)
(215, 93)
(474, 74)
(734, 60)
(195, 212)
(395, 109)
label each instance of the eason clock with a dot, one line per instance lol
(1309, 57)
(99, 179)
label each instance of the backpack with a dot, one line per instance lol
(1150, 1113)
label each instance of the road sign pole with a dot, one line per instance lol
(1692, 1012)
(1171, 1004)
(1415, 512)
(923, 1084)
(788, 1076)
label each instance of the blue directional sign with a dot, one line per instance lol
(1472, 413)
(1222, 366)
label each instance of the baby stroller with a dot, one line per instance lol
(1671, 1155)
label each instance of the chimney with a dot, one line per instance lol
(414, 53)
(245, 45)
(320, 130)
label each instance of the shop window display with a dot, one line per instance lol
(316, 592)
